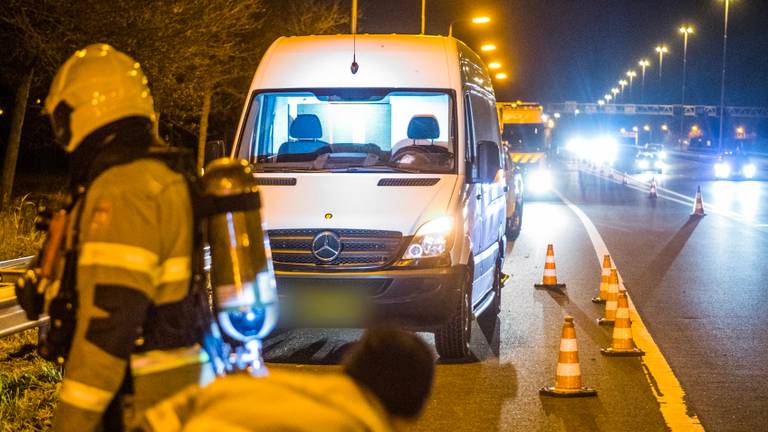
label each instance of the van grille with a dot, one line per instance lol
(408, 181)
(360, 249)
(275, 181)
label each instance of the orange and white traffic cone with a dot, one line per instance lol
(611, 300)
(622, 344)
(550, 274)
(568, 374)
(698, 206)
(605, 278)
(652, 193)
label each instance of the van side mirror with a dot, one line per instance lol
(488, 161)
(215, 150)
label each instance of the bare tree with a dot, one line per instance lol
(199, 54)
(35, 34)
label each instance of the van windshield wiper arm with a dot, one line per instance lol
(377, 168)
(288, 169)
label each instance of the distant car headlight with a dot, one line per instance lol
(658, 164)
(722, 170)
(749, 170)
(539, 181)
(431, 240)
(662, 154)
(643, 164)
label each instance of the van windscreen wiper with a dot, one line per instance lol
(376, 168)
(289, 169)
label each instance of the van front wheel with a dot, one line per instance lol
(452, 339)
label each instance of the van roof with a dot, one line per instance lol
(404, 61)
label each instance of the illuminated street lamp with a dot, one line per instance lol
(475, 20)
(686, 30)
(661, 49)
(608, 98)
(501, 76)
(631, 74)
(644, 63)
(601, 102)
(494, 65)
(488, 47)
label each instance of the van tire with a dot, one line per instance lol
(515, 223)
(452, 339)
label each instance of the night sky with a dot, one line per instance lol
(557, 50)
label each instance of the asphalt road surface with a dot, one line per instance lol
(698, 285)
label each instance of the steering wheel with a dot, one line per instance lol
(419, 154)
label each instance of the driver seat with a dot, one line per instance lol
(307, 131)
(423, 129)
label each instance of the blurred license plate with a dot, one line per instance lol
(329, 306)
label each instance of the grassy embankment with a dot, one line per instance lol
(28, 384)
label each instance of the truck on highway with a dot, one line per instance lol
(381, 181)
(526, 139)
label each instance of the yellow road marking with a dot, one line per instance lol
(665, 385)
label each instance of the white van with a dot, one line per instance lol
(382, 180)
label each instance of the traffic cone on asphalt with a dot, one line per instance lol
(698, 206)
(568, 374)
(611, 300)
(625, 180)
(550, 275)
(605, 278)
(652, 193)
(622, 344)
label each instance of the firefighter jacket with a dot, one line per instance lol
(284, 400)
(135, 245)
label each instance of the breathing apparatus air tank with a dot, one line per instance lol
(242, 279)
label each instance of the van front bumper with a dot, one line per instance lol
(418, 299)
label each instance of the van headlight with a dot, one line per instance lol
(431, 240)
(539, 181)
(750, 170)
(722, 170)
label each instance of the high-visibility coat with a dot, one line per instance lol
(284, 400)
(135, 245)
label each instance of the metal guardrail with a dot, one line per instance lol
(12, 317)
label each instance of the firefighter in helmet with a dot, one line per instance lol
(135, 330)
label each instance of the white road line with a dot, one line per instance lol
(673, 196)
(668, 391)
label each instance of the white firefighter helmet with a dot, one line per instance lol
(93, 88)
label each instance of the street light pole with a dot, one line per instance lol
(631, 74)
(644, 63)
(423, 15)
(661, 49)
(686, 30)
(722, 82)
(475, 20)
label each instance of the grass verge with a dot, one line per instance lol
(28, 385)
(18, 236)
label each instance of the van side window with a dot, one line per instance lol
(469, 153)
(484, 118)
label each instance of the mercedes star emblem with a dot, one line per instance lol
(326, 246)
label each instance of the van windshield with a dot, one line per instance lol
(350, 130)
